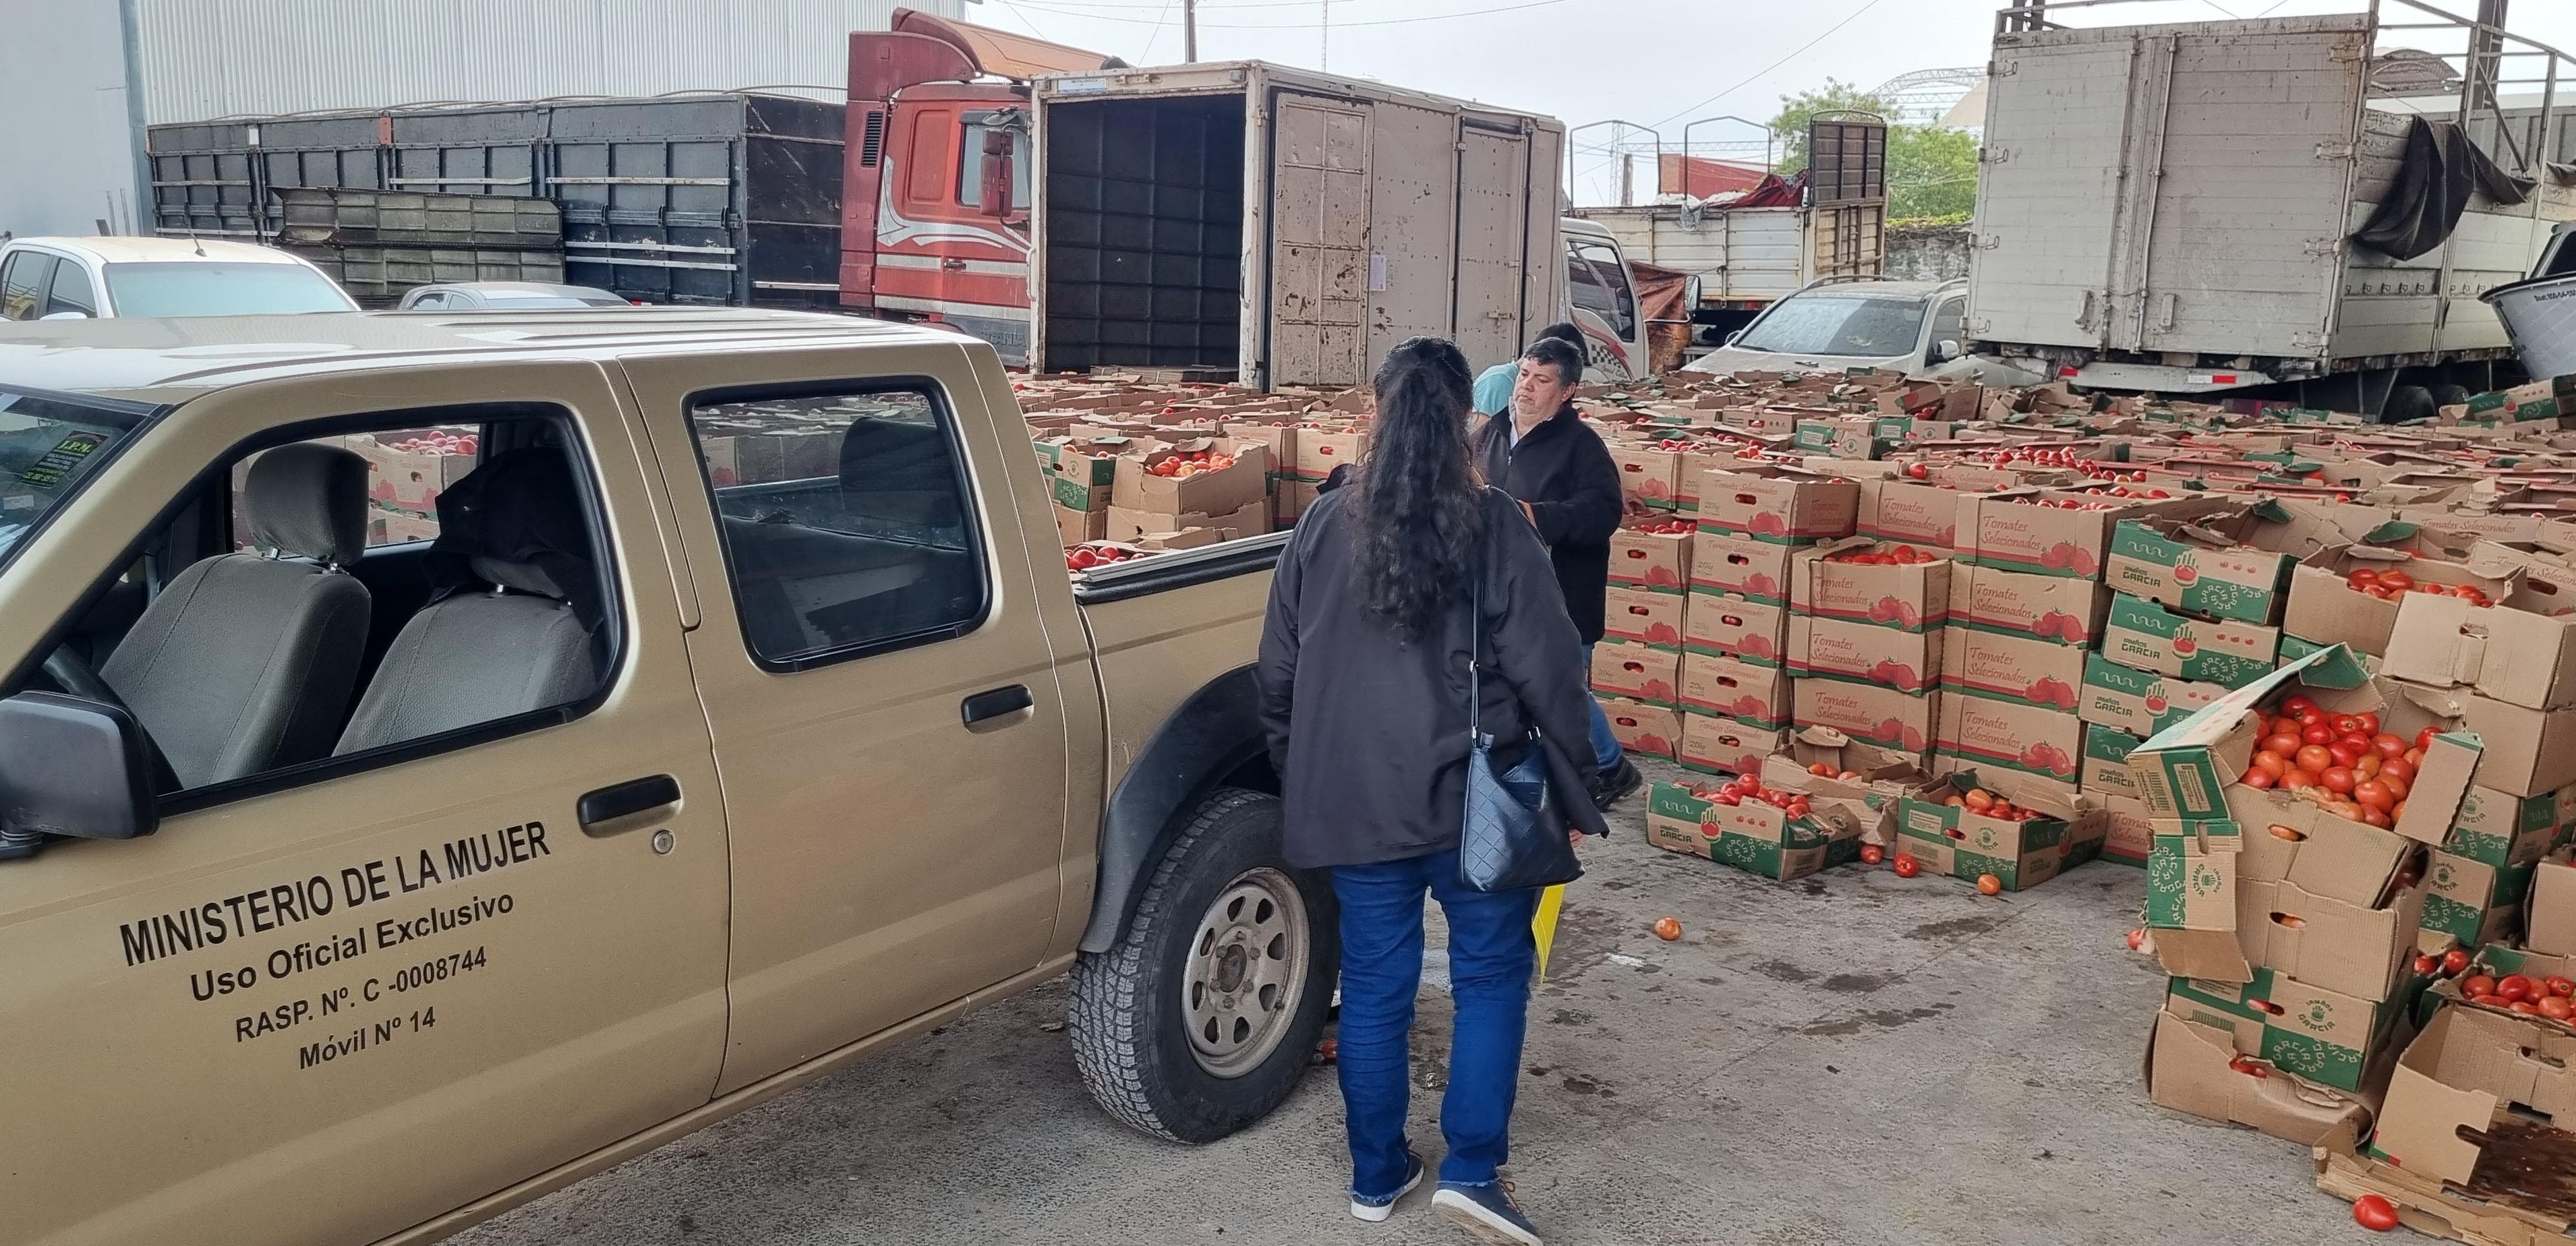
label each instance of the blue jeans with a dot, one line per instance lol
(1492, 954)
(1605, 746)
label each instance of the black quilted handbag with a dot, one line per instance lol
(1504, 844)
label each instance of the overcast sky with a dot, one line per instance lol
(1655, 62)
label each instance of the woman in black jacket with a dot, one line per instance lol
(1364, 669)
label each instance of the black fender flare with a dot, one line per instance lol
(1213, 734)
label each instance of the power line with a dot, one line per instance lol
(1384, 21)
(1801, 50)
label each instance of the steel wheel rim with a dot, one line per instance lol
(1246, 972)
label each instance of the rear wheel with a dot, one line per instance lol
(2450, 395)
(1204, 1015)
(2407, 403)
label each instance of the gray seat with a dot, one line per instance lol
(245, 662)
(514, 629)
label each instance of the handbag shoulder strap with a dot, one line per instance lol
(1476, 644)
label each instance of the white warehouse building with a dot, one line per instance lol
(87, 76)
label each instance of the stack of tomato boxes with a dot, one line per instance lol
(1637, 667)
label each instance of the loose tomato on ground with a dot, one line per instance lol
(1907, 866)
(1872, 854)
(2374, 1213)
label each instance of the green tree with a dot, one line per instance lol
(1931, 170)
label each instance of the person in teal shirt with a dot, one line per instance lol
(1494, 384)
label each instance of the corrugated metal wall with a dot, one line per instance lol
(204, 59)
(66, 153)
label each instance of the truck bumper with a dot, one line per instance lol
(2147, 376)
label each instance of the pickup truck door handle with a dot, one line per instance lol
(984, 707)
(597, 810)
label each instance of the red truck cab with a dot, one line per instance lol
(935, 191)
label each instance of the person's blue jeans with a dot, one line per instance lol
(1492, 954)
(1605, 746)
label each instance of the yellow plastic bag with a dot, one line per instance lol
(1544, 924)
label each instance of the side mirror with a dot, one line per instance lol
(64, 315)
(1944, 352)
(73, 767)
(996, 173)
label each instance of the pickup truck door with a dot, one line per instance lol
(880, 683)
(331, 1001)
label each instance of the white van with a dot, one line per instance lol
(87, 278)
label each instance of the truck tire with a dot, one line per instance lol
(1204, 1015)
(2407, 402)
(2450, 395)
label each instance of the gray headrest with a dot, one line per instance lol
(522, 576)
(310, 501)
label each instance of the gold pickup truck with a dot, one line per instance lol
(365, 871)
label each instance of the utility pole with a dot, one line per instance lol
(1190, 31)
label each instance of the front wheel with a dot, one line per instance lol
(1205, 1014)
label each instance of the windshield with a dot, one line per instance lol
(47, 447)
(1825, 324)
(221, 289)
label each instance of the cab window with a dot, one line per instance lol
(290, 627)
(1949, 324)
(846, 519)
(23, 281)
(1600, 285)
(71, 291)
(970, 164)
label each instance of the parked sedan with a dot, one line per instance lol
(506, 296)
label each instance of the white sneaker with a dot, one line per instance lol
(1375, 1210)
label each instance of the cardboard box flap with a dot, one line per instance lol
(2459, 1076)
(2334, 667)
(2196, 1069)
(2212, 955)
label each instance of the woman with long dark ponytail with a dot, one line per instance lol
(1364, 682)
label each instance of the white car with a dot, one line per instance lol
(84, 278)
(1918, 328)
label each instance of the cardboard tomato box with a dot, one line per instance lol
(2501, 829)
(2326, 610)
(2232, 565)
(2470, 1093)
(2318, 1035)
(1911, 596)
(2286, 838)
(2105, 768)
(1906, 661)
(1727, 688)
(1725, 745)
(1652, 730)
(2054, 608)
(1080, 471)
(2191, 886)
(2138, 702)
(2473, 902)
(1865, 802)
(411, 480)
(1735, 626)
(1731, 564)
(1642, 557)
(1907, 509)
(2550, 913)
(1218, 491)
(1644, 617)
(2507, 652)
(1869, 713)
(1251, 519)
(2193, 1067)
(2140, 634)
(2129, 834)
(1074, 527)
(1646, 473)
(2361, 950)
(1960, 842)
(1321, 448)
(1751, 836)
(2005, 666)
(1852, 436)
(2053, 532)
(1781, 505)
(1984, 734)
(1636, 672)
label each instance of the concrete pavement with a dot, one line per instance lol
(1851, 1058)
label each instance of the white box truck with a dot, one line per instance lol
(2171, 208)
(1284, 225)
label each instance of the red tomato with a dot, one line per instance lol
(2396, 581)
(2374, 1213)
(1907, 866)
(1989, 885)
(2428, 964)
(2387, 745)
(2560, 987)
(2283, 745)
(1872, 854)
(2475, 985)
(2369, 723)
(2517, 987)
(2336, 779)
(2318, 734)
(2523, 1006)
(2454, 961)
(2363, 577)
(2373, 794)
(2298, 781)
(2346, 724)
(2399, 769)
(2344, 754)
(2297, 704)
(2258, 778)
(2556, 1007)
(2424, 738)
(2315, 759)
